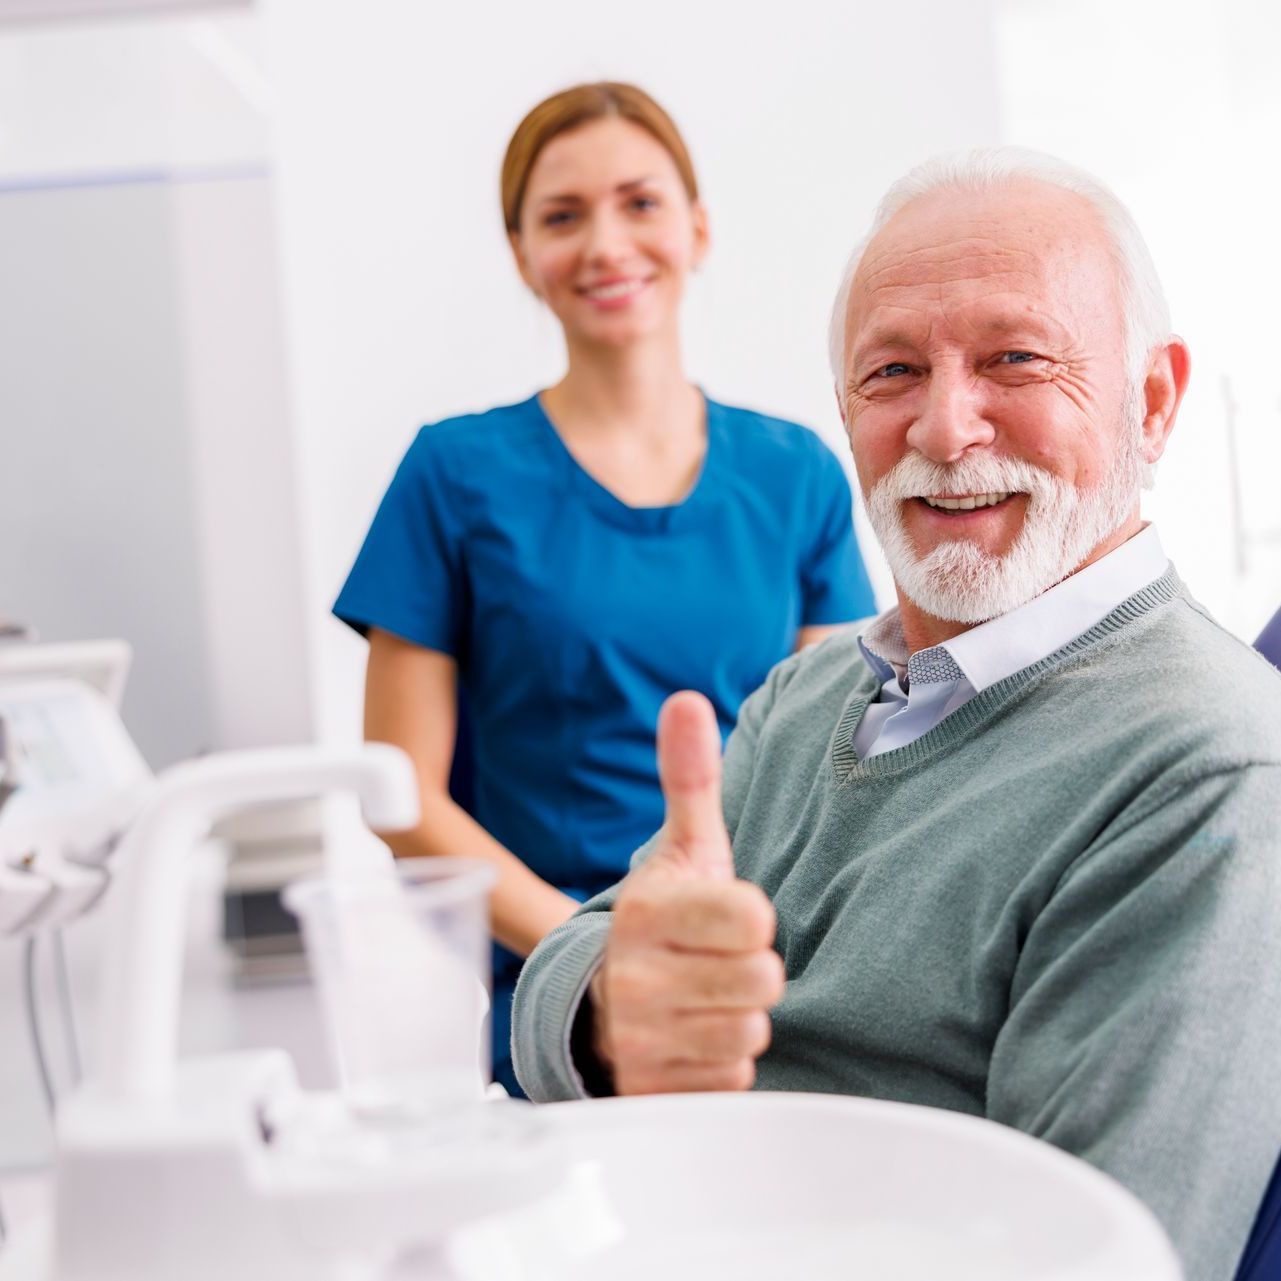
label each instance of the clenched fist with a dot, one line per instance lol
(682, 1000)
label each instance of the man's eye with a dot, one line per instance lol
(1018, 357)
(896, 370)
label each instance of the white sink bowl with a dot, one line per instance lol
(793, 1187)
(719, 1187)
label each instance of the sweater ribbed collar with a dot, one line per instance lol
(960, 724)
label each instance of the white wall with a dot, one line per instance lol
(245, 511)
(401, 303)
(122, 97)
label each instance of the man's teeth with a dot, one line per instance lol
(968, 503)
(621, 289)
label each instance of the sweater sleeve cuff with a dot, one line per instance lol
(549, 992)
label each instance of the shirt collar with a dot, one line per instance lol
(994, 650)
(883, 647)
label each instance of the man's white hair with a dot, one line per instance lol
(1145, 312)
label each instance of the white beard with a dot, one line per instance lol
(959, 581)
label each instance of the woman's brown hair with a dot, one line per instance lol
(572, 108)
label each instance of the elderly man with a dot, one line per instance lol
(1013, 850)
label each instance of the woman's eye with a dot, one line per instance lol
(644, 203)
(558, 218)
(1017, 357)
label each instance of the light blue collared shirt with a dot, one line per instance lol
(919, 690)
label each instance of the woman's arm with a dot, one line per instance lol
(411, 700)
(812, 635)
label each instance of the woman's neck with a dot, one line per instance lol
(638, 388)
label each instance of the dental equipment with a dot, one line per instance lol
(71, 779)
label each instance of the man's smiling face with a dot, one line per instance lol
(985, 360)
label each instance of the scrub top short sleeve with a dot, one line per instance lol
(409, 577)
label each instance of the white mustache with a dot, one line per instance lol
(915, 477)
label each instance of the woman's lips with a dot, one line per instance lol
(612, 295)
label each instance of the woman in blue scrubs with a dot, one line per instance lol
(569, 561)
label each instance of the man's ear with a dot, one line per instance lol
(1163, 388)
(522, 263)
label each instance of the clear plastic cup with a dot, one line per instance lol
(401, 963)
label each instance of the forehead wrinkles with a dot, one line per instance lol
(1043, 245)
(957, 260)
(940, 275)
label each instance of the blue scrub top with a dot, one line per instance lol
(572, 616)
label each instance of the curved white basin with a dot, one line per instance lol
(781, 1187)
(810, 1187)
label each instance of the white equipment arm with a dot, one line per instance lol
(145, 948)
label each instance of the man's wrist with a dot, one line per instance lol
(586, 1044)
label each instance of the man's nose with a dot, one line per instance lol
(951, 419)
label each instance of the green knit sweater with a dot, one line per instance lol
(1059, 909)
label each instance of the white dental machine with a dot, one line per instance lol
(70, 779)
(196, 1169)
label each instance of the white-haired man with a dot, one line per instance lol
(1013, 849)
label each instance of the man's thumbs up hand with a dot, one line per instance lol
(682, 999)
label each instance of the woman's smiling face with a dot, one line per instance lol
(608, 233)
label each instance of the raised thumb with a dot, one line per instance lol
(689, 769)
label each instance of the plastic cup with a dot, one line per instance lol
(401, 962)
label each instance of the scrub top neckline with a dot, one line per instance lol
(608, 506)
